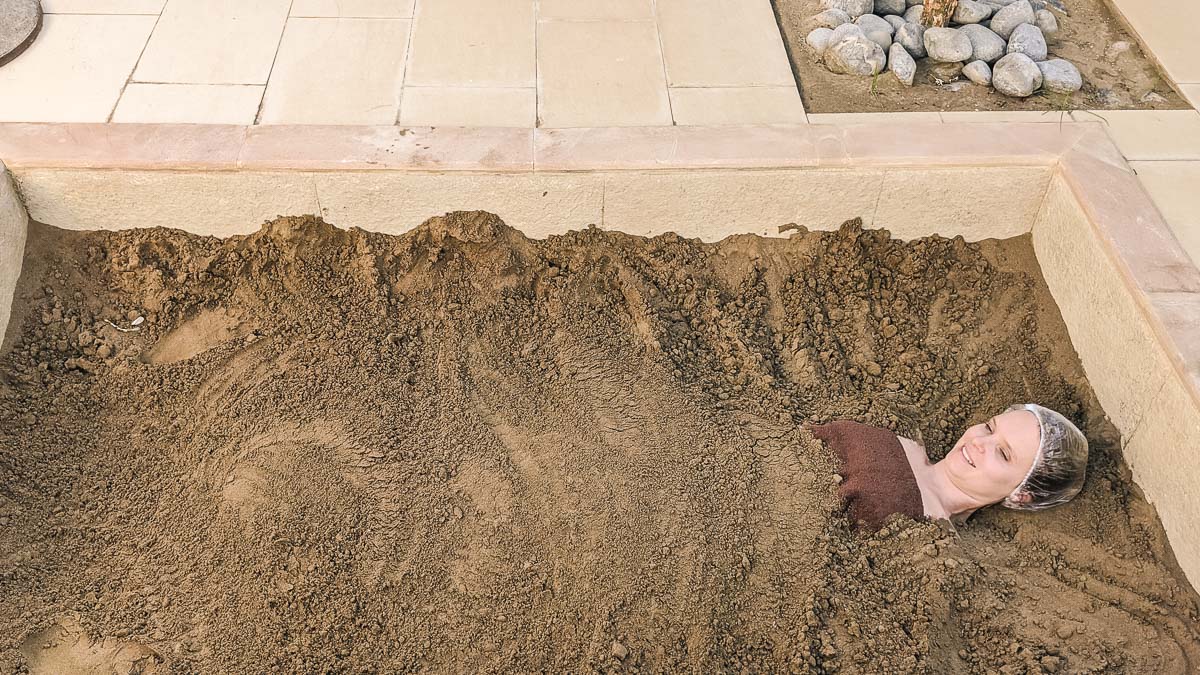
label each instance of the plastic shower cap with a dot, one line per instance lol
(1059, 466)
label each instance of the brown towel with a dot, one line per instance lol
(877, 479)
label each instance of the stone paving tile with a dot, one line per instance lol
(737, 105)
(103, 6)
(214, 42)
(874, 118)
(1173, 187)
(729, 43)
(1192, 93)
(74, 70)
(337, 71)
(601, 73)
(189, 103)
(1050, 116)
(1162, 26)
(469, 106)
(1150, 134)
(640, 10)
(475, 43)
(354, 9)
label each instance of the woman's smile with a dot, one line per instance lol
(965, 455)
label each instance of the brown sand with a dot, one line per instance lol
(1113, 79)
(462, 450)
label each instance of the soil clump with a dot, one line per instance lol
(458, 449)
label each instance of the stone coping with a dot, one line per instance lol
(1139, 242)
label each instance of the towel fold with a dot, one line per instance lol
(877, 479)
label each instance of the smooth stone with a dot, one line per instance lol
(832, 18)
(941, 73)
(1027, 39)
(910, 3)
(844, 30)
(978, 72)
(895, 21)
(890, 6)
(986, 46)
(855, 8)
(947, 45)
(1047, 22)
(1016, 75)
(880, 37)
(20, 21)
(913, 14)
(854, 54)
(969, 11)
(902, 64)
(1060, 76)
(912, 37)
(870, 22)
(1006, 20)
(818, 39)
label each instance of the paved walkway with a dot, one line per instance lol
(519, 63)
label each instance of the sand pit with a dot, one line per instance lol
(463, 450)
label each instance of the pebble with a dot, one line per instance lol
(832, 18)
(911, 36)
(1116, 49)
(1016, 75)
(619, 650)
(818, 39)
(913, 14)
(837, 479)
(902, 64)
(852, 53)
(947, 45)
(986, 46)
(1007, 19)
(855, 8)
(1060, 76)
(969, 11)
(978, 72)
(890, 7)
(1046, 21)
(1027, 39)
(943, 73)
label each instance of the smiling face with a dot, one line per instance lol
(992, 457)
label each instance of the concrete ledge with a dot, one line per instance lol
(14, 226)
(1128, 293)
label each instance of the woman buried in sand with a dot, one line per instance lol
(1028, 458)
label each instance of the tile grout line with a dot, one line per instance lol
(662, 55)
(136, 63)
(263, 100)
(412, 30)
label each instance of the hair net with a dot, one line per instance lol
(1059, 466)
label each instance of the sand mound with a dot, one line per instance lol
(459, 449)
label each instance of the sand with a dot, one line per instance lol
(1118, 74)
(458, 449)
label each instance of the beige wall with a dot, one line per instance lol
(14, 224)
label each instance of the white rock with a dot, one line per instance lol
(896, 22)
(1016, 75)
(883, 7)
(832, 18)
(902, 64)
(844, 30)
(1047, 22)
(947, 45)
(910, 3)
(855, 8)
(969, 11)
(818, 39)
(912, 37)
(1027, 39)
(978, 72)
(1060, 76)
(870, 22)
(853, 54)
(880, 37)
(913, 14)
(986, 46)
(1007, 19)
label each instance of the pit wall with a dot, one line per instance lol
(1129, 295)
(14, 223)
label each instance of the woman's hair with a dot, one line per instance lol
(1059, 466)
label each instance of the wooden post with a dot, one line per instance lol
(938, 12)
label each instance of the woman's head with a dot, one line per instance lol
(1028, 457)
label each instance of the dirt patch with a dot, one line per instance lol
(1114, 78)
(463, 450)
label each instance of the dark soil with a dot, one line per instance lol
(462, 450)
